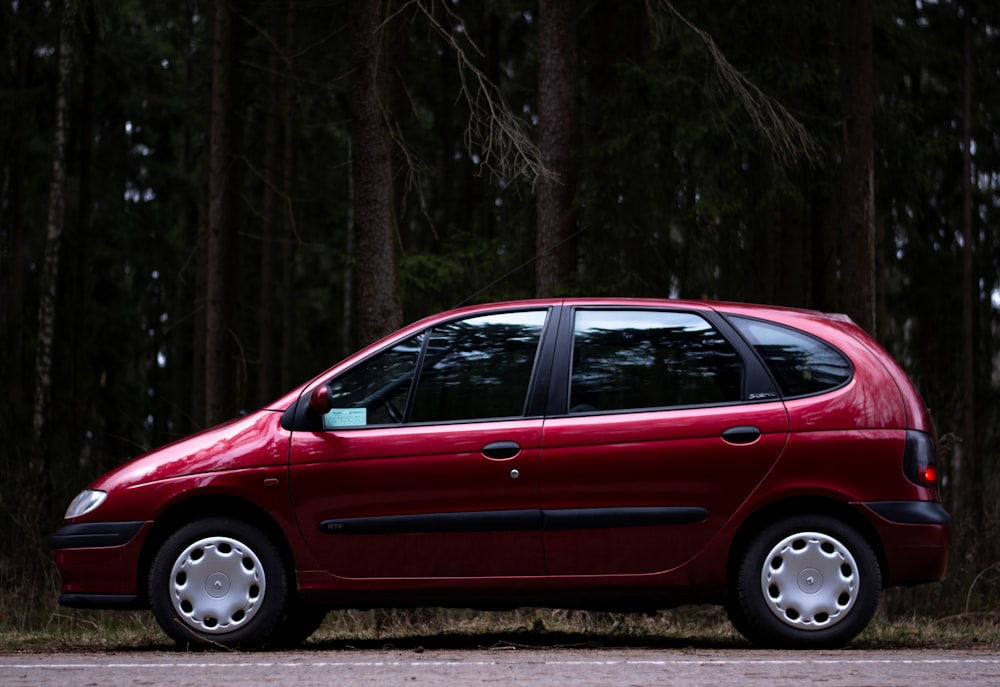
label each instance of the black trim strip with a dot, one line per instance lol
(477, 521)
(911, 512)
(109, 601)
(90, 535)
(603, 518)
(554, 520)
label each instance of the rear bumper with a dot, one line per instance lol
(911, 512)
(916, 539)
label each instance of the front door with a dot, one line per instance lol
(426, 465)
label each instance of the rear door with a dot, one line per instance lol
(655, 442)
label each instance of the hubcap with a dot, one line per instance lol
(217, 585)
(809, 581)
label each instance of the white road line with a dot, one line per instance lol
(473, 664)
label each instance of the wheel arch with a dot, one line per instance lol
(205, 506)
(797, 506)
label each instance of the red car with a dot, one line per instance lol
(604, 454)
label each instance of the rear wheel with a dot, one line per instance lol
(219, 582)
(805, 582)
(298, 624)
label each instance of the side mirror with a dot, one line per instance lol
(319, 400)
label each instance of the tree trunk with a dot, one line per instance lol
(84, 315)
(266, 326)
(824, 213)
(377, 267)
(14, 252)
(288, 250)
(53, 241)
(857, 286)
(220, 240)
(970, 476)
(557, 124)
(347, 297)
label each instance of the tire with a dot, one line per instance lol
(805, 583)
(219, 582)
(298, 624)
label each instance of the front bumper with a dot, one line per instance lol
(99, 564)
(87, 535)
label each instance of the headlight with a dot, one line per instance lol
(86, 501)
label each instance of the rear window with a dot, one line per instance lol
(641, 359)
(801, 364)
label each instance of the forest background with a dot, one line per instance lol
(204, 203)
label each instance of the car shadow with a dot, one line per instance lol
(520, 640)
(473, 641)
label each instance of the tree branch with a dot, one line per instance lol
(788, 138)
(494, 133)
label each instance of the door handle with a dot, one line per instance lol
(742, 434)
(501, 450)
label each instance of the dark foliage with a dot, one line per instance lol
(677, 194)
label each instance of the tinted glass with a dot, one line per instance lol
(375, 391)
(649, 359)
(800, 363)
(478, 368)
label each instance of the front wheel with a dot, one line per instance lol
(219, 582)
(805, 582)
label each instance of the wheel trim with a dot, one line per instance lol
(809, 581)
(217, 585)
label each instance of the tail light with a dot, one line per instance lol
(920, 459)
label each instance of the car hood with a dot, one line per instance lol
(252, 441)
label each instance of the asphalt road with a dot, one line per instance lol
(506, 666)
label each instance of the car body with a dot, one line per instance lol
(607, 454)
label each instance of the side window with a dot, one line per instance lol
(636, 359)
(801, 364)
(374, 392)
(478, 368)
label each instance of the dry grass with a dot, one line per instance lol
(689, 627)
